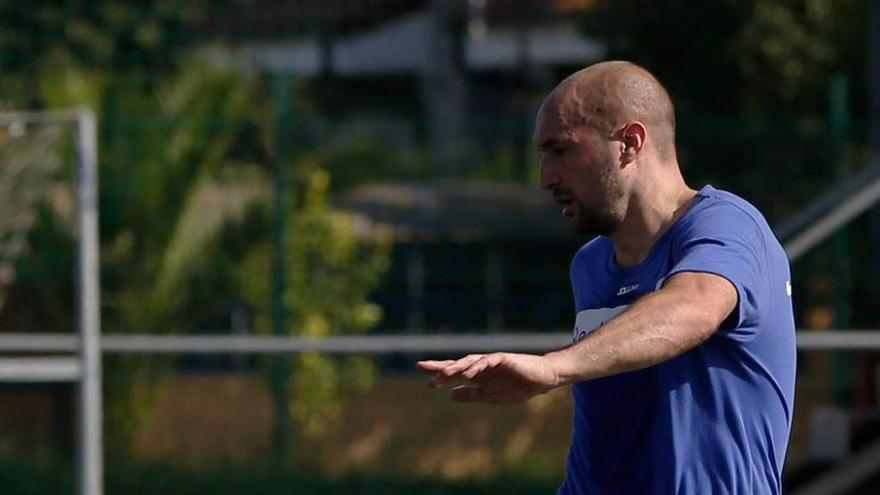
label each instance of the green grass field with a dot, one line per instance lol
(148, 479)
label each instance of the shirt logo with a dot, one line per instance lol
(626, 289)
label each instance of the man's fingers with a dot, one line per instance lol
(475, 369)
(467, 393)
(460, 365)
(450, 371)
(467, 367)
(489, 361)
(433, 365)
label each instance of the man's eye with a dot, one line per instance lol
(559, 151)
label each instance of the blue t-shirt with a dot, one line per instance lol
(716, 419)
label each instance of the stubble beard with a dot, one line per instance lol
(605, 215)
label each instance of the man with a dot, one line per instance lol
(688, 386)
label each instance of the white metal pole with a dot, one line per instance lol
(839, 216)
(90, 410)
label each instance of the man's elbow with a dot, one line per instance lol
(703, 302)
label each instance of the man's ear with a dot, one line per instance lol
(632, 138)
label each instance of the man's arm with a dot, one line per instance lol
(658, 327)
(684, 313)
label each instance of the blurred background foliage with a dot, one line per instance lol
(756, 57)
(186, 221)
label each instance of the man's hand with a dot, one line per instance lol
(499, 378)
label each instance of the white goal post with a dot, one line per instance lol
(84, 367)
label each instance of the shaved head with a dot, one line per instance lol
(607, 95)
(606, 135)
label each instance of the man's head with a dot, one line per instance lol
(594, 132)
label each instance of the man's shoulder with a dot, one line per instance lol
(596, 250)
(720, 208)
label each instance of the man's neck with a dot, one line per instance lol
(648, 217)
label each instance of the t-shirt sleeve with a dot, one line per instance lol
(724, 240)
(575, 286)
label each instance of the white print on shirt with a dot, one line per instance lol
(589, 320)
(626, 289)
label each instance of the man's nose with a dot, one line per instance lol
(548, 176)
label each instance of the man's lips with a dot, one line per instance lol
(566, 202)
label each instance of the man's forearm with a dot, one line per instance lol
(658, 327)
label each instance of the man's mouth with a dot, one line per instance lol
(567, 203)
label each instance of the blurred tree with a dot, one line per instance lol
(171, 182)
(365, 155)
(738, 57)
(32, 175)
(335, 261)
(127, 36)
(185, 226)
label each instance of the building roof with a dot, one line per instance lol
(458, 211)
(285, 18)
(403, 45)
